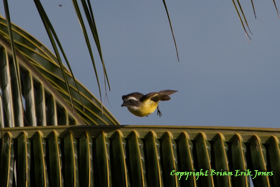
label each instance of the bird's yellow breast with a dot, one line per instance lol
(146, 108)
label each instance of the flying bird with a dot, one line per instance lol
(143, 105)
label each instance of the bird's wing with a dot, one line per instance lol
(158, 96)
(167, 92)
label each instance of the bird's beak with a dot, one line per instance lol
(124, 104)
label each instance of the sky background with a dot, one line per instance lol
(221, 79)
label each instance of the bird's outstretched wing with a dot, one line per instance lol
(158, 96)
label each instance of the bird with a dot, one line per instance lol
(143, 105)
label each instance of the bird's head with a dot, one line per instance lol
(130, 101)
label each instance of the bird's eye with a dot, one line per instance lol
(131, 101)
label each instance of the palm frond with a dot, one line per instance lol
(244, 17)
(254, 9)
(35, 56)
(15, 67)
(80, 18)
(91, 22)
(247, 35)
(52, 36)
(140, 156)
(7, 12)
(276, 8)
(169, 20)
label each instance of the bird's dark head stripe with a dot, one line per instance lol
(136, 95)
(131, 101)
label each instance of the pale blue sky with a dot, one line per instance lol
(221, 79)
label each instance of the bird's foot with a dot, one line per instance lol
(159, 112)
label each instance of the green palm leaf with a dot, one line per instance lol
(52, 35)
(80, 18)
(15, 72)
(134, 155)
(40, 59)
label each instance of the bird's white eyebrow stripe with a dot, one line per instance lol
(133, 98)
